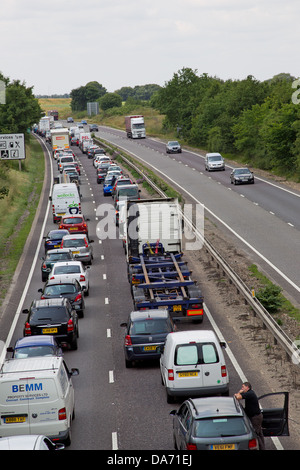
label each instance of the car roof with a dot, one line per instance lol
(43, 303)
(22, 442)
(24, 365)
(193, 335)
(151, 313)
(35, 340)
(51, 282)
(67, 263)
(216, 406)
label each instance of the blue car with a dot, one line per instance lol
(53, 239)
(108, 185)
(38, 345)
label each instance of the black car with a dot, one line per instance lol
(101, 175)
(54, 317)
(93, 127)
(70, 289)
(241, 175)
(145, 335)
(53, 239)
(52, 257)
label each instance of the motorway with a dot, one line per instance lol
(126, 409)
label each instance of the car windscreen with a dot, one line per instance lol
(66, 269)
(49, 314)
(242, 172)
(214, 159)
(60, 289)
(220, 427)
(150, 327)
(196, 353)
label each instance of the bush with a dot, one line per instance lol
(270, 298)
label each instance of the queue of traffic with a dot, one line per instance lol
(192, 363)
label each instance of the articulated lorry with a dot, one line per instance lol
(135, 127)
(158, 276)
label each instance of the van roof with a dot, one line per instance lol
(192, 335)
(30, 364)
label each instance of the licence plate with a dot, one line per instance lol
(56, 246)
(223, 447)
(188, 374)
(61, 213)
(46, 331)
(177, 308)
(76, 252)
(15, 419)
(73, 228)
(149, 348)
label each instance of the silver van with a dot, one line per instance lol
(214, 161)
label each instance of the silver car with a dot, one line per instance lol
(173, 147)
(220, 423)
(80, 246)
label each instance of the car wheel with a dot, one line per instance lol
(128, 364)
(170, 399)
(74, 344)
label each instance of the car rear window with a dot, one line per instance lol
(56, 235)
(128, 192)
(50, 314)
(72, 220)
(196, 353)
(150, 327)
(58, 256)
(33, 351)
(60, 289)
(74, 243)
(67, 269)
(220, 427)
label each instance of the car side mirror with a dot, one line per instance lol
(25, 310)
(123, 324)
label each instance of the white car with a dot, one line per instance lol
(67, 270)
(28, 442)
(101, 159)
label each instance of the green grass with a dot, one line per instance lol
(286, 307)
(18, 209)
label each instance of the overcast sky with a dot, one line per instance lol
(56, 46)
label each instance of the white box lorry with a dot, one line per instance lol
(37, 397)
(135, 127)
(60, 138)
(65, 200)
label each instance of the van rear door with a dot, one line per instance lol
(187, 369)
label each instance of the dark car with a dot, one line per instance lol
(241, 175)
(173, 147)
(52, 257)
(145, 335)
(98, 151)
(101, 175)
(54, 317)
(33, 346)
(70, 119)
(53, 239)
(93, 127)
(74, 141)
(220, 423)
(70, 289)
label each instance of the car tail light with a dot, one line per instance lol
(128, 341)
(170, 374)
(62, 414)
(70, 325)
(191, 446)
(223, 371)
(253, 444)
(78, 297)
(44, 266)
(85, 241)
(82, 278)
(27, 329)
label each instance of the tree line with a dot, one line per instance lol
(259, 121)
(95, 92)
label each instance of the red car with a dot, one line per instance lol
(74, 223)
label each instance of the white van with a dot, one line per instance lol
(37, 397)
(214, 161)
(192, 364)
(65, 200)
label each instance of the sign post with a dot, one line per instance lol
(12, 147)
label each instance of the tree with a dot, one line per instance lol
(110, 100)
(91, 92)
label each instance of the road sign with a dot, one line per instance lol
(12, 147)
